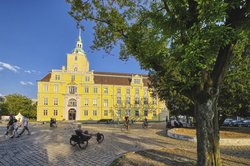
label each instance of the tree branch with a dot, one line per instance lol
(121, 31)
(192, 11)
(221, 64)
(167, 7)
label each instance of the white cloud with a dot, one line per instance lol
(9, 67)
(17, 67)
(31, 71)
(26, 83)
(27, 71)
(30, 83)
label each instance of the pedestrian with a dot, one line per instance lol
(10, 126)
(25, 127)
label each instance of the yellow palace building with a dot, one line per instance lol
(77, 93)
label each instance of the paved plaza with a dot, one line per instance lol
(46, 146)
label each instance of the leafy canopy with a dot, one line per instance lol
(182, 43)
(16, 103)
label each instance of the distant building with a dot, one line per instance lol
(33, 101)
(76, 93)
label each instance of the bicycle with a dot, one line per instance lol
(144, 125)
(125, 126)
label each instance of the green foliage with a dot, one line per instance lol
(16, 103)
(235, 93)
(180, 42)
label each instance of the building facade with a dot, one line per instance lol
(77, 93)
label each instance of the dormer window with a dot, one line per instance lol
(87, 78)
(57, 77)
(137, 81)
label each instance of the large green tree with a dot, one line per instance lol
(235, 92)
(186, 44)
(16, 103)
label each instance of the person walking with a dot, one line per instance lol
(25, 127)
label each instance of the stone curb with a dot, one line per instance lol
(224, 141)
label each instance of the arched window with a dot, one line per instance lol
(72, 103)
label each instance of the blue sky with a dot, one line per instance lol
(35, 37)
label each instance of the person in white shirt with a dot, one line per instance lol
(25, 127)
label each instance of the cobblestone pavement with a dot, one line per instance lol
(47, 146)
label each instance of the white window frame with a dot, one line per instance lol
(57, 77)
(119, 91)
(137, 81)
(45, 87)
(105, 103)
(55, 101)
(94, 102)
(137, 100)
(86, 113)
(154, 113)
(87, 78)
(56, 87)
(128, 91)
(94, 112)
(106, 90)
(55, 112)
(72, 89)
(86, 101)
(119, 100)
(86, 89)
(95, 90)
(128, 100)
(45, 112)
(106, 112)
(128, 112)
(45, 101)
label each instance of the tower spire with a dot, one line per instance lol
(78, 48)
(79, 34)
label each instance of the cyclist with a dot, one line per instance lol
(126, 123)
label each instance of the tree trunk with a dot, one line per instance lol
(207, 131)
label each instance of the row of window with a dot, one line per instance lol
(86, 112)
(73, 90)
(136, 113)
(73, 102)
(73, 77)
(106, 113)
(87, 78)
(45, 112)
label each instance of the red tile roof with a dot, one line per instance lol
(110, 78)
(120, 74)
(46, 78)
